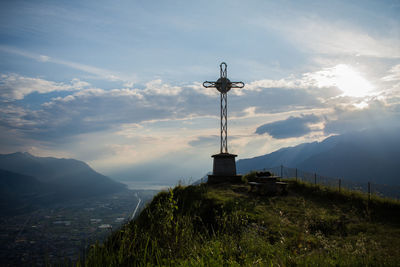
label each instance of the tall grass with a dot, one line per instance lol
(226, 225)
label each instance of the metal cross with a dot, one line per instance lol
(223, 85)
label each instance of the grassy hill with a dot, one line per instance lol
(216, 225)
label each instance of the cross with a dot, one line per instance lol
(223, 85)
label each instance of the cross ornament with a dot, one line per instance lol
(223, 85)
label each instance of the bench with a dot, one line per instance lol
(254, 185)
(270, 187)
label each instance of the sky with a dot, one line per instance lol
(118, 84)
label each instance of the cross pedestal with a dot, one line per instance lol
(224, 169)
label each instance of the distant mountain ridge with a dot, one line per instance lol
(21, 193)
(370, 155)
(47, 179)
(46, 169)
(15, 183)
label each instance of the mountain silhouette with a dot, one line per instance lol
(68, 177)
(21, 193)
(368, 155)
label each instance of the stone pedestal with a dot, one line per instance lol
(224, 169)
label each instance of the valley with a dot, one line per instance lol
(59, 233)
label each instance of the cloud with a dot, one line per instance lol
(326, 38)
(394, 74)
(128, 84)
(98, 72)
(16, 87)
(198, 87)
(157, 87)
(205, 141)
(89, 109)
(290, 127)
(341, 79)
(14, 117)
(287, 83)
(308, 83)
(378, 114)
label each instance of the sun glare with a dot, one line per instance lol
(347, 79)
(351, 82)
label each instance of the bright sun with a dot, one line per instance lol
(344, 77)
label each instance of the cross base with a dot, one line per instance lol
(215, 179)
(224, 169)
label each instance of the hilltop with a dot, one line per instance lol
(226, 224)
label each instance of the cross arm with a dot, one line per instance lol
(237, 84)
(208, 84)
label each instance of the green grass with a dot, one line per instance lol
(226, 225)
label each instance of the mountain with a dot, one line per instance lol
(14, 190)
(16, 184)
(68, 177)
(369, 155)
(21, 193)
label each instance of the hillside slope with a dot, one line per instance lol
(228, 225)
(72, 178)
(18, 193)
(370, 155)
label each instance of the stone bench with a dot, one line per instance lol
(253, 185)
(268, 187)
